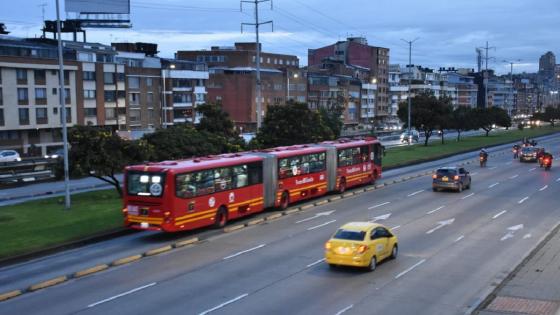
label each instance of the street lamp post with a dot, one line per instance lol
(409, 42)
(511, 63)
(288, 84)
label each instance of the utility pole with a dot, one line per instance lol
(258, 57)
(511, 63)
(43, 5)
(409, 42)
(486, 77)
(62, 97)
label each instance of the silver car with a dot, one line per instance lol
(9, 156)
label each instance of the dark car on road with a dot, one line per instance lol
(528, 154)
(455, 178)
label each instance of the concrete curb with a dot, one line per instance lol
(9, 295)
(186, 242)
(348, 194)
(89, 271)
(126, 260)
(233, 228)
(305, 207)
(322, 202)
(335, 198)
(158, 250)
(255, 222)
(48, 283)
(290, 211)
(273, 216)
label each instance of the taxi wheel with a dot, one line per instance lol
(394, 252)
(372, 264)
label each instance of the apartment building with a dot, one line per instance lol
(356, 52)
(30, 115)
(232, 80)
(467, 91)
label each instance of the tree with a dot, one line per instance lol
(462, 119)
(426, 113)
(100, 153)
(550, 114)
(331, 117)
(183, 141)
(292, 124)
(488, 118)
(217, 122)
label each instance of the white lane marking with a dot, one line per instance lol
(123, 294)
(436, 209)
(499, 214)
(543, 188)
(515, 227)
(379, 205)
(514, 176)
(495, 184)
(224, 304)
(320, 214)
(244, 251)
(315, 263)
(522, 200)
(528, 235)
(440, 225)
(507, 236)
(459, 238)
(380, 217)
(532, 169)
(395, 227)
(345, 309)
(493, 167)
(467, 196)
(410, 269)
(415, 193)
(320, 225)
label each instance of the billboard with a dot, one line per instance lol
(98, 6)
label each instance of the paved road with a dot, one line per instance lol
(276, 268)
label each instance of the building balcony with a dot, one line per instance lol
(182, 89)
(369, 86)
(182, 104)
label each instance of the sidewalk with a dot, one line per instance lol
(534, 287)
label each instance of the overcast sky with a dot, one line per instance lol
(448, 30)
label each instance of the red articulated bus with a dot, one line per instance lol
(187, 194)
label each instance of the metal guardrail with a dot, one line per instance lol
(28, 170)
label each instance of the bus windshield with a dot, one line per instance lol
(145, 183)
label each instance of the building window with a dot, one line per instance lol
(200, 97)
(110, 96)
(21, 75)
(151, 115)
(40, 96)
(41, 115)
(150, 98)
(67, 96)
(110, 113)
(134, 98)
(23, 116)
(135, 116)
(23, 98)
(40, 77)
(68, 115)
(89, 75)
(133, 82)
(120, 77)
(149, 82)
(89, 94)
(109, 77)
(90, 112)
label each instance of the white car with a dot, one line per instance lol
(9, 156)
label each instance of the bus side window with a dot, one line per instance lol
(255, 173)
(240, 178)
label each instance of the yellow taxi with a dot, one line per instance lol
(361, 244)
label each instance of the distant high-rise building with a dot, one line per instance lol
(547, 63)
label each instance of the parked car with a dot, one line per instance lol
(9, 156)
(456, 178)
(361, 244)
(410, 137)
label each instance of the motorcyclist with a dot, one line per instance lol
(547, 156)
(515, 150)
(483, 157)
(540, 154)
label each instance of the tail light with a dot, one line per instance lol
(434, 176)
(481, 158)
(328, 245)
(456, 177)
(546, 160)
(362, 249)
(167, 214)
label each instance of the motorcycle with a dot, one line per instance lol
(515, 153)
(483, 159)
(547, 163)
